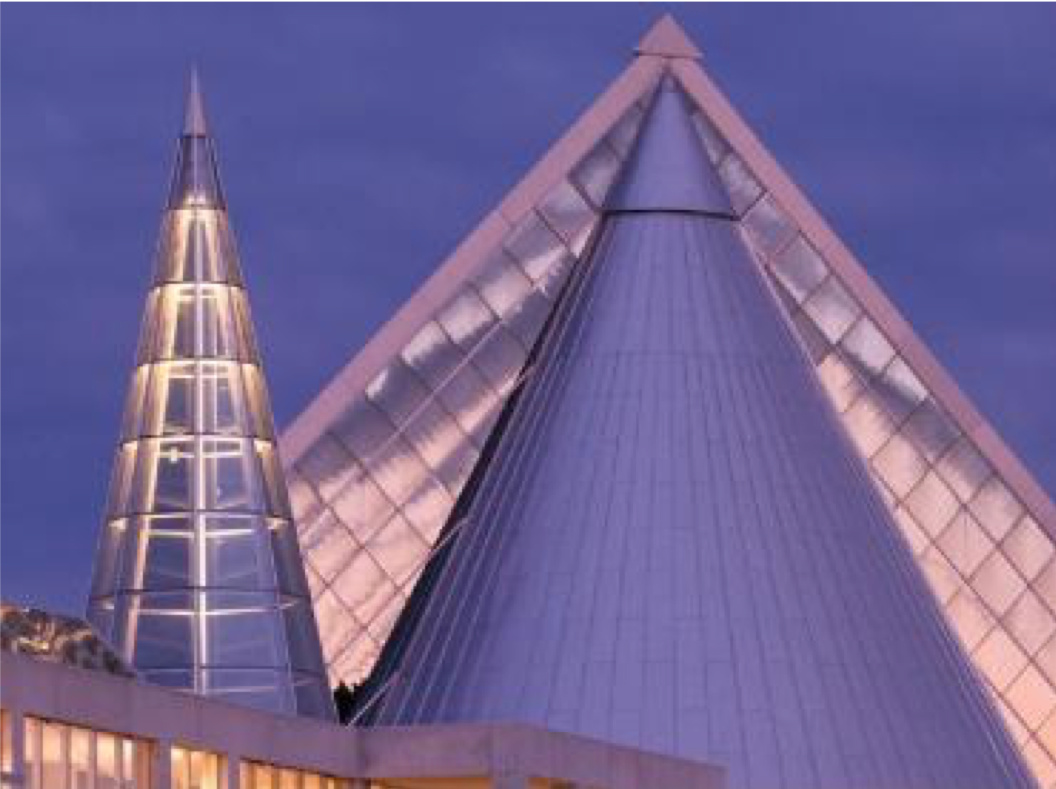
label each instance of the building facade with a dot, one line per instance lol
(649, 485)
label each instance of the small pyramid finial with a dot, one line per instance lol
(667, 39)
(194, 119)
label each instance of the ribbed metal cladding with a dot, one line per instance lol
(676, 547)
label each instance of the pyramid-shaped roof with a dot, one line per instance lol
(380, 458)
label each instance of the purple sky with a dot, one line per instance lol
(359, 143)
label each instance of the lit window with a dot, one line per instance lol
(58, 756)
(194, 769)
(255, 775)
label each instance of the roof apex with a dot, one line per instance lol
(194, 119)
(667, 39)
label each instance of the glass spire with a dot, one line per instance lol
(199, 581)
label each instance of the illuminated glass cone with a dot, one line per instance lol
(199, 581)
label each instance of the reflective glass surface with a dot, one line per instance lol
(986, 559)
(199, 580)
(372, 493)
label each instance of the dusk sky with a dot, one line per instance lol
(358, 144)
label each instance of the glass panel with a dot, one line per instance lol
(327, 544)
(964, 469)
(867, 347)
(624, 132)
(1032, 697)
(713, 142)
(839, 381)
(769, 228)
(868, 424)
(1028, 547)
(363, 586)
(596, 172)
(535, 246)
(121, 479)
(527, 321)
(399, 549)
(800, 269)
(434, 434)
(500, 358)
(164, 635)
(899, 465)
(257, 405)
(236, 552)
(146, 349)
(164, 475)
(328, 466)
(744, 189)
(565, 210)
(815, 343)
(970, 618)
(230, 476)
(901, 389)
(832, 309)
(1030, 622)
(174, 333)
(132, 421)
(398, 469)
(397, 391)
(964, 543)
(932, 504)
(165, 552)
(997, 583)
(362, 429)
(930, 430)
(427, 508)
(431, 354)
(221, 336)
(999, 658)
(995, 508)
(466, 319)
(274, 485)
(105, 575)
(222, 400)
(170, 403)
(502, 285)
(468, 398)
(242, 629)
(363, 506)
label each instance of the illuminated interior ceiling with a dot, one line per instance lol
(371, 461)
(57, 638)
(198, 579)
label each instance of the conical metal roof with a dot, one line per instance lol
(199, 581)
(671, 544)
(669, 170)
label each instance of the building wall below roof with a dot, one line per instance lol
(231, 744)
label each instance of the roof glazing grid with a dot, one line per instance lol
(986, 558)
(372, 494)
(198, 579)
